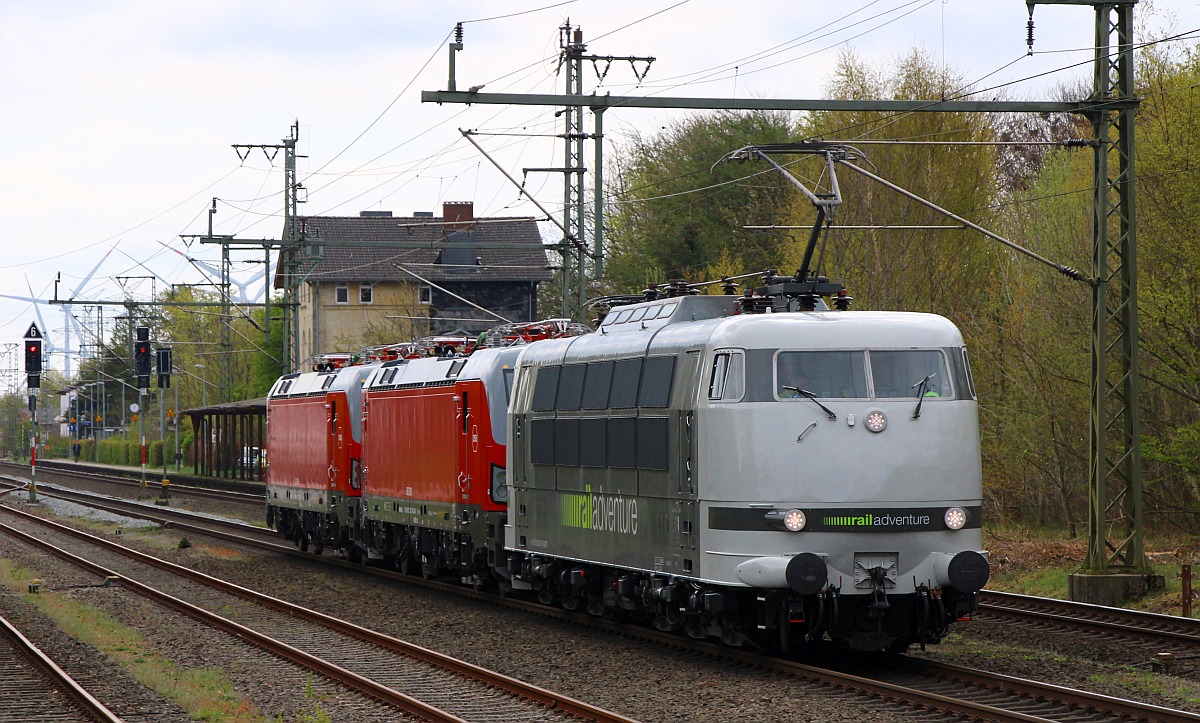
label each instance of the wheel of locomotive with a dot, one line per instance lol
(405, 563)
(302, 541)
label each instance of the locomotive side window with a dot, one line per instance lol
(508, 384)
(541, 441)
(595, 431)
(968, 382)
(545, 388)
(622, 442)
(727, 382)
(570, 387)
(596, 384)
(898, 374)
(626, 375)
(654, 446)
(657, 373)
(829, 374)
(566, 442)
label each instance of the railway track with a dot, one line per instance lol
(422, 683)
(1167, 630)
(34, 688)
(57, 472)
(906, 683)
(916, 684)
(180, 520)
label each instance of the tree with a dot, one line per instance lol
(909, 269)
(674, 208)
(1169, 276)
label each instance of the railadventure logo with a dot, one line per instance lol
(884, 520)
(600, 512)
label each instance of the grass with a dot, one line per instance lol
(153, 536)
(1038, 561)
(205, 693)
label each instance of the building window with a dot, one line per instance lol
(424, 294)
(366, 294)
(341, 294)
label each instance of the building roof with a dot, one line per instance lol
(464, 255)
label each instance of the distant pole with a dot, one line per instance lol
(141, 417)
(203, 385)
(33, 447)
(175, 424)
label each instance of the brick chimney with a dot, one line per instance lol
(457, 216)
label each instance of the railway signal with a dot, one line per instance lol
(33, 356)
(141, 357)
(163, 364)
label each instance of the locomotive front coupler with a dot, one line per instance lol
(879, 602)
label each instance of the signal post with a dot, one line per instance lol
(33, 371)
(141, 366)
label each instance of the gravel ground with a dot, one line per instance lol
(637, 679)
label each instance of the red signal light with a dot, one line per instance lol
(33, 356)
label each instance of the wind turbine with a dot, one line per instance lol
(214, 274)
(69, 319)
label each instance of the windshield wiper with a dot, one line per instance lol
(813, 397)
(921, 393)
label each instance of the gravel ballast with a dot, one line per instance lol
(639, 680)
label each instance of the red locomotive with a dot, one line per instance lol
(400, 461)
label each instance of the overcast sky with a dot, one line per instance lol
(117, 118)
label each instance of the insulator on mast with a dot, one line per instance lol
(1029, 29)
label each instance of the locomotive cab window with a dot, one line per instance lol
(826, 374)
(508, 373)
(727, 383)
(964, 371)
(899, 374)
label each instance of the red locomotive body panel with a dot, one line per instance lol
(411, 450)
(297, 447)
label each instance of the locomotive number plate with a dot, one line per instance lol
(865, 562)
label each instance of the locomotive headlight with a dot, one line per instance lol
(499, 484)
(956, 518)
(876, 421)
(791, 520)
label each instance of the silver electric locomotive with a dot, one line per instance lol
(768, 479)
